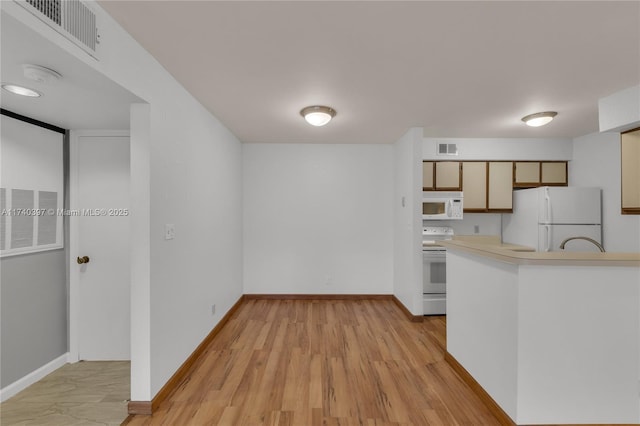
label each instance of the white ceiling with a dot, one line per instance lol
(458, 69)
(82, 99)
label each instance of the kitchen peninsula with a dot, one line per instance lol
(550, 337)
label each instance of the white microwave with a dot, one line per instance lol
(442, 205)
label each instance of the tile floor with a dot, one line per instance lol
(84, 393)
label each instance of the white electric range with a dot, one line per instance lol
(434, 269)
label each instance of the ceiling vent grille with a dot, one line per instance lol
(447, 149)
(71, 18)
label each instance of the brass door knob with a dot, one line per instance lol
(83, 259)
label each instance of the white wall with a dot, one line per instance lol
(551, 344)
(620, 111)
(596, 162)
(196, 184)
(195, 181)
(591, 375)
(407, 221)
(482, 323)
(318, 219)
(140, 182)
(500, 149)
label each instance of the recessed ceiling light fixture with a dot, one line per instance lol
(318, 115)
(539, 119)
(22, 91)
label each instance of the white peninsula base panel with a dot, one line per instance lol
(549, 343)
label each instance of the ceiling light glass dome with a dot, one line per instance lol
(318, 115)
(539, 119)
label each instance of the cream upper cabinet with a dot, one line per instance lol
(427, 176)
(630, 167)
(553, 173)
(488, 185)
(500, 185)
(526, 173)
(474, 185)
(448, 175)
(530, 174)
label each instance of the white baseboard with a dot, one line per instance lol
(26, 381)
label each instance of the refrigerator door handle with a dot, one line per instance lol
(547, 202)
(547, 236)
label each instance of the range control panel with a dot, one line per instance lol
(431, 234)
(445, 232)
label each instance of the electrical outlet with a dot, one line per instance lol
(169, 231)
(327, 280)
(476, 229)
(213, 309)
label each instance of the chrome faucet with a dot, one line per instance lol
(591, 240)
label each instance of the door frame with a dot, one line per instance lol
(74, 237)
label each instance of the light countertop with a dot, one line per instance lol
(511, 253)
(490, 241)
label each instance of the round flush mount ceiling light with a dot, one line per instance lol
(318, 115)
(539, 119)
(20, 90)
(40, 74)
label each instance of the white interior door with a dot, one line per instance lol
(102, 234)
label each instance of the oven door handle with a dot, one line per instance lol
(434, 255)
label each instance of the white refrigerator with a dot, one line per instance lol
(544, 217)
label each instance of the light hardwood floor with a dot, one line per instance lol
(329, 362)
